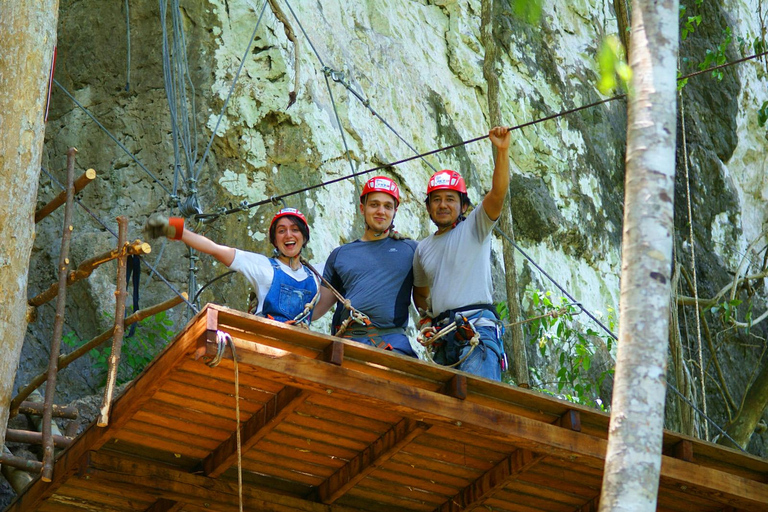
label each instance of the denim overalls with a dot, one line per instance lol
(287, 297)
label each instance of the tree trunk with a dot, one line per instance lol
(514, 342)
(747, 418)
(27, 40)
(633, 460)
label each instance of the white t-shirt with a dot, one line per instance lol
(258, 270)
(456, 265)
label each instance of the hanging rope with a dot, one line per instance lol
(222, 340)
(693, 267)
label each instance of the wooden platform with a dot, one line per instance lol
(334, 426)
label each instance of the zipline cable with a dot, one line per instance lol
(104, 224)
(109, 134)
(211, 216)
(330, 94)
(612, 334)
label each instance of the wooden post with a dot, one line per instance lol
(66, 359)
(80, 183)
(87, 267)
(117, 339)
(58, 411)
(58, 324)
(30, 437)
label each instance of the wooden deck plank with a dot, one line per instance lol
(323, 436)
(197, 381)
(445, 481)
(160, 443)
(225, 374)
(313, 410)
(308, 444)
(165, 421)
(160, 408)
(367, 461)
(190, 488)
(437, 468)
(355, 408)
(255, 428)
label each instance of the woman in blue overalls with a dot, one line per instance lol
(286, 290)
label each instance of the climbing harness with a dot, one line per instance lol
(354, 315)
(428, 337)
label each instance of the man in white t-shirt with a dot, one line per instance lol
(452, 267)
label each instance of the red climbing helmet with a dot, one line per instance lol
(381, 184)
(289, 212)
(446, 180)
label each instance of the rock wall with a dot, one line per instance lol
(419, 65)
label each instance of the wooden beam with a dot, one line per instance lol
(187, 488)
(456, 387)
(491, 482)
(133, 398)
(288, 368)
(682, 450)
(87, 267)
(29, 437)
(80, 183)
(256, 428)
(334, 353)
(571, 420)
(375, 455)
(591, 506)
(59, 411)
(30, 466)
(163, 505)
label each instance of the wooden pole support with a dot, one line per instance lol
(36, 408)
(58, 324)
(117, 339)
(30, 437)
(87, 267)
(67, 359)
(80, 183)
(32, 466)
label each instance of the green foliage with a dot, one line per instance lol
(716, 57)
(527, 10)
(762, 114)
(152, 334)
(689, 26)
(726, 310)
(502, 310)
(569, 345)
(613, 68)
(756, 46)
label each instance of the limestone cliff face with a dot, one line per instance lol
(419, 65)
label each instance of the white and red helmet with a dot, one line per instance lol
(289, 212)
(446, 180)
(381, 184)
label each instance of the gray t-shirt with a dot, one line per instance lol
(456, 265)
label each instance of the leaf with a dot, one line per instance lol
(762, 114)
(528, 10)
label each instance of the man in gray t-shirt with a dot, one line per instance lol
(452, 267)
